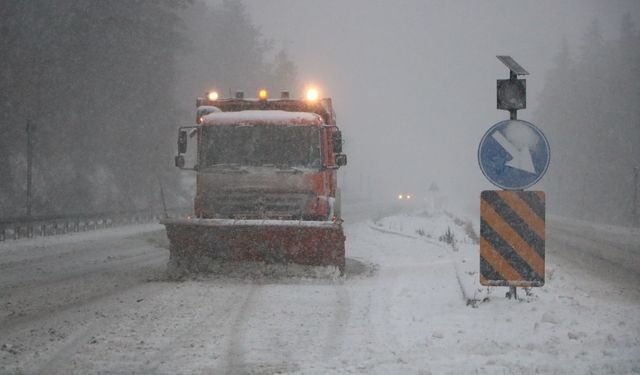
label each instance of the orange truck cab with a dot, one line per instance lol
(265, 159)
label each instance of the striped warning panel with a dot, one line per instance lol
(512, 238)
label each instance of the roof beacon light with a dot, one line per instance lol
(212, 95)
(262, 94)
(239, 94)
(312, 95)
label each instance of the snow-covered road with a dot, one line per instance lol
(101, 303)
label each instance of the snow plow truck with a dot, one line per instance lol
(266, 183)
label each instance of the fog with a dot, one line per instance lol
(107, 84)
(98, 96)
(414, 81)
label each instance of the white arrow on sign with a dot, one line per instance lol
(520, 157)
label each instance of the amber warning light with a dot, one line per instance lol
(262, 94)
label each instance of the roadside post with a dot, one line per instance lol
(30, 129)
(513, 155)
(636, 195)
(29, 166)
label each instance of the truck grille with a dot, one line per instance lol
(256, 205)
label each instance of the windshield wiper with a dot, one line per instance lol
(231, 167)
(289, 169)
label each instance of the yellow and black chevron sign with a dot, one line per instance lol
(512, 238)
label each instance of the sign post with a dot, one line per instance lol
(513, 155)
(636, 195)
(29, 165)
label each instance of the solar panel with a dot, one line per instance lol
(512, 65)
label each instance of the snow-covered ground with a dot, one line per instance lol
(410, 303)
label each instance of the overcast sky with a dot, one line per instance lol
(414, 81)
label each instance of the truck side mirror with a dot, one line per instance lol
(182, 141)
(179, 161)
(341, 159)
(336, 141)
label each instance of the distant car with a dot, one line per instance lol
(405, 197)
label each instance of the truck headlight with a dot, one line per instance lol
(312, 95)
(212, 95)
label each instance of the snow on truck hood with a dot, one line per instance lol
(263, 118)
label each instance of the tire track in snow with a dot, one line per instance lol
(53, 304)
(62, 306)
(396, 276)
(87, 270)
(466, 294)
(375, 303)
(334, 338)
(235, 361)
(209, 320)
(56, 312)
(390, 345)
(380, 304)
(61, 358)
(282, 359)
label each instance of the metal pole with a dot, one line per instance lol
(583, 199)
(164, 204)
(636, 195)
(513, 293)
(513, 113)
(29, 165)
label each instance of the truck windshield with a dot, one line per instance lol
(260, 145)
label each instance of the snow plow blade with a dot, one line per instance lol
(195, 243)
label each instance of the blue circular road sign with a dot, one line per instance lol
(513, 154)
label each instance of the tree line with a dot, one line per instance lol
(589, 109)
(104, 84)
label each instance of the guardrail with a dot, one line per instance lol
(39, 226)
